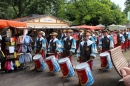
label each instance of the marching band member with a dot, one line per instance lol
(43, 35)
(55, 46)
(126, 39)
(95, 36)
(106, 42)
(40, 44)
(86, 50)
(99, 36)
(91, 37)
(69, 45)
(63, 35)
(120, 39)
(114, 37)
(80, 38)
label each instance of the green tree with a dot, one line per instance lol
(27, 7)
(92, 12)
(6, 12)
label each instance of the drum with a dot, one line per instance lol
(90, 63)
(84, 74)
(52, 64)
(53, 54)
(105, 60)
(39, 62)
(66, 67)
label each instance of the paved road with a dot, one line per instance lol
(33, 78)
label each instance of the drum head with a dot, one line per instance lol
(50, 57)
(37, 56)
(104, 54)
(63, 60)
(82, 65)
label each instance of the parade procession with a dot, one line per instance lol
(56, 51)
(64, 42)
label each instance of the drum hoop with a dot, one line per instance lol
(81, 69)
(62, 62)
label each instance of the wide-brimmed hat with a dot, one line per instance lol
(87, 34)
(53, 34)
(40, 33)
(81, 31)
(69, 31)
(64, 31)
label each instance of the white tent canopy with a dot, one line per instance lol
(101, 25)
(117, 27)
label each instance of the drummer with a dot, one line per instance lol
(69, 45)
(129, 38)
(94, 35)
(126, 38)
(62, 35)
(114, 37)
(120, 39)
(55, 46)
(106, 42)
(91, 37)
(43, 35)
(86, 50)
(40, 44)
(80, 38)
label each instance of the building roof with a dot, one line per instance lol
(36, 16)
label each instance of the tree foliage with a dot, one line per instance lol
(92, 12)
(26, 7)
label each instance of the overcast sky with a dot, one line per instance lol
(120, 3)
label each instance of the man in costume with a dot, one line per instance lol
(114, 37)
(129, 38)
(106, 43)
(80, 38)
(55, 46)
(40, 44)
(62, 35)
(91, 37)
(120, 39)
(126, 39)
(69, 45)
(86, 51)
